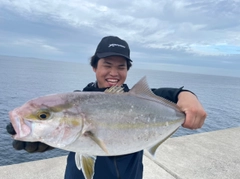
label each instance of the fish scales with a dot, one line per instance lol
(132, 121)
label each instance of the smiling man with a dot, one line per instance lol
(111, 63)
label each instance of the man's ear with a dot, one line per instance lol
(94, 69)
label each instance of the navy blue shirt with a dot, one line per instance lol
(125, 167)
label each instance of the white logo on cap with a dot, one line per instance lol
(113, 45)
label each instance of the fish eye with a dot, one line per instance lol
(43, 115)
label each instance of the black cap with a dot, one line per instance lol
(112, 45)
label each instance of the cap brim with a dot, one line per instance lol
(107, 54)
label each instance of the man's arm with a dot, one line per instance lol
(195, 114)
(188, 103)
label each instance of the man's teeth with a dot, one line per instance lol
(112, 81)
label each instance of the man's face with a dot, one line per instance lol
(111, 71)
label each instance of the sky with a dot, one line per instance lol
(199, 36)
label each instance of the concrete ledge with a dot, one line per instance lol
(42, 169)
(208, 155)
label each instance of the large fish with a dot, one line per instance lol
(98, 123)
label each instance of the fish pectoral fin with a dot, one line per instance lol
(152, 150)
(88, 163)
(99, 142)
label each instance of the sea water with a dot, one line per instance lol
(22, 79)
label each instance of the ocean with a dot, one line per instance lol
(22, 79)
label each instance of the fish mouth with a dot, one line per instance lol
(21, 128)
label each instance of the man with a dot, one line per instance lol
(111, 63)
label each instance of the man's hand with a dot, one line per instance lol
(195, 114)
(30, 147)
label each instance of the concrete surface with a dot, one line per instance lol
(208, 155)
(212, 155)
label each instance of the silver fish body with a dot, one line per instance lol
(124, 122)
(98, 123)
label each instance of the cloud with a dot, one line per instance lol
(37, 43)
(164, 30)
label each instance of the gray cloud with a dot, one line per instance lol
(189, 32)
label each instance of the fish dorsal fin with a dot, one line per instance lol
(114, 90)
(141, 89)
